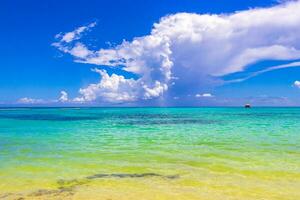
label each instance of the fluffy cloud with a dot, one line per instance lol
(186, 51)
(112, 88)
(63, 97)
(297, 84)
(116, 89)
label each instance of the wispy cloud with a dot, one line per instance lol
(290, 65)
(75, 34)
(204, 95)
(64, 40)
(27, 100)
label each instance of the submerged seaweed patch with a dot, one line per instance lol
(44, 192)
(264, 114)
(66, 188)
(68, 184)
(128, 119)
(64, 191)
(85, 116)
(47, 117)
(170, 121)
(142, 175)
(5, 195)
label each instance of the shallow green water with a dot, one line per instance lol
(191, 153)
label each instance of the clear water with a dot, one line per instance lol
(150, 153)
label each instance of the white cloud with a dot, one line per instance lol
(80, 51)
(156, 91)
(297, 84)
(65, 42)
(63, 97)
(111, 88)
(191, 50)
(117, 89)
(204, 95)
(26, 100)
(290, 65)
(74, 35)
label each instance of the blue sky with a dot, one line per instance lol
(37, 64)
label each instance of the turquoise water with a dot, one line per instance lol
(150, 153)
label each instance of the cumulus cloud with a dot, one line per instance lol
(26, 100)
(204, 95)
(116, 89)
(111, 88)
(297, 84)
(186, 51)
(63, 97)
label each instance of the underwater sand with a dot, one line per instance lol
(150, 153)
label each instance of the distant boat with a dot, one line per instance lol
(247, 105)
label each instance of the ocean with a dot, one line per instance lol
(150, 153)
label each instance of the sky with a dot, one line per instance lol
(149, 53)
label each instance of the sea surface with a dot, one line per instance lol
(150, 153)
